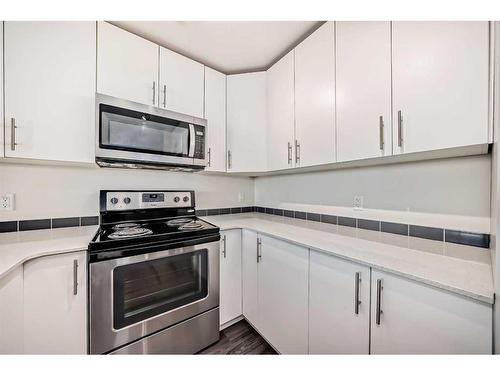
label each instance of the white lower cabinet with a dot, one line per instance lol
(419, 319)
(339, 306)
(11, 312)
(249, 277)
(55, 304)
(230, 275)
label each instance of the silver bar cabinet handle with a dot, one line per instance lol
(209, 157)
(381, 132)
(75, 277)
(379, 307)
(224, 247)
(229, 159)
(164, 96)
(357, 302)
(13, 128)
(259, 247)
(400, 129)
(297, 152)
(154, 92)
(289, 150)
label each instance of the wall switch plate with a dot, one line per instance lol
(358, 202)
(7, 202)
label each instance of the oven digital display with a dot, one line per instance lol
(153, 197)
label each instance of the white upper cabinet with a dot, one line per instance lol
(1, 94)
(55, 304)
(420, 319)
(215, 113)
(246, 122)
(315, 98)
(363, 91)
(181, 84)
(230, 275)
(127, 65)
(280, 112)
(339, 306)
(440, 83)
(50, 90)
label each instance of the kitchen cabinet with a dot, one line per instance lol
(440, 83)
(280, 111)
(246, 122)
(339, 306)
(1, 94)
(215, 113)
(283, 294)
(55, 304)
(419, 319)
(181, 84)
(249, 277)
(127, 65)
(315, 98)
(230, 275)
(49, 95)
(363, 90)
(11, 312)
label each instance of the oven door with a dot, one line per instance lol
(136, 296)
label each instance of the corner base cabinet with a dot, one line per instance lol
(55, 304)
(230, 275)
(412, 318)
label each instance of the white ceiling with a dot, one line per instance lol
(228, 46)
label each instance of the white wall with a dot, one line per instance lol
(458, 186)
(62, 191)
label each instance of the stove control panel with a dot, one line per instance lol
(134, 200)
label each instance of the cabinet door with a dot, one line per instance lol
(440, 82)
(419, 319)
(55, 309)
(50, 90)
(127, 65)
(283, 295)
(181, 83)
(250, 277)
(215, 113)
(230, 275)
(11, 312)
(336, 286)
(2, 154)
(246, 122)
(363, 91)
(315, 98)
(280, 112)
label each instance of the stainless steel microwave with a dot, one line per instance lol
(132, 135)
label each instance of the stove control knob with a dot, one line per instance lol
(177, 199)
(126, 200)
(185, 199)
(114, 200)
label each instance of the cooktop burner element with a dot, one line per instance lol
(178, 222)
(125, 226)
(130, 232)
(191, 225)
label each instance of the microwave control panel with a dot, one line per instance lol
(199, 144)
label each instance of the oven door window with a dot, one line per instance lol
(126, 130)
(146, 289)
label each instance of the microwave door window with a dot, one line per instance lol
(133, 134)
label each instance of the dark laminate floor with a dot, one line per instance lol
(240, 338)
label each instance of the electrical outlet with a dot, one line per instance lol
(7, 202)
(358, 202)
(241, 197)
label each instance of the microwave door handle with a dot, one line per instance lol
(192, 141)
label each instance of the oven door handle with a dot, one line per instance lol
(192, 140)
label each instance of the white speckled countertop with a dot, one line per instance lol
(19, 247)
(461, 269)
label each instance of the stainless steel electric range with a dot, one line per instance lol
(153, 275)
